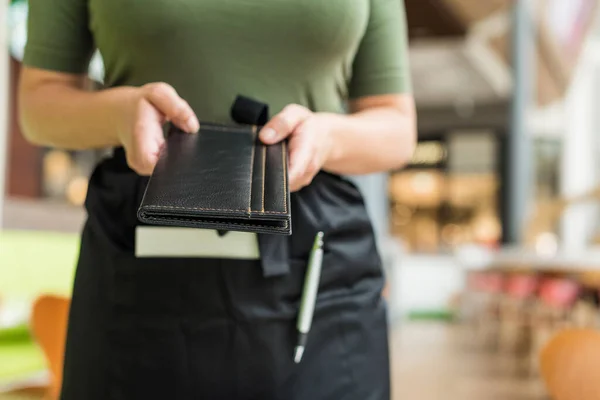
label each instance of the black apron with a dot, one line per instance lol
(161, 328)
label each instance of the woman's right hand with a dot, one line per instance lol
(140, 130)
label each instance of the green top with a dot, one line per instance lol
(317, 53)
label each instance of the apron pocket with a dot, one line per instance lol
(148, 360)
(148, 286)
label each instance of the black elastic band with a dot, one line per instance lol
(249, 111)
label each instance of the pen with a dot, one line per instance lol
(309, 295)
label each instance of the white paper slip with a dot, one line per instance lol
(158, 241)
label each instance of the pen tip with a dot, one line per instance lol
(298, 354)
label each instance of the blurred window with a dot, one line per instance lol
(448, 195)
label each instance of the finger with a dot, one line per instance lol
(284, 123)
(145, 150)
(301, 155)
(302, 179)
(300, 182)
(167, 101)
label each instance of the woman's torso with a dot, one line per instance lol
(276, 51)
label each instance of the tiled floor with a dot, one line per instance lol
(434, 362)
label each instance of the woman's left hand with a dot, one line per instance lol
(310, 141)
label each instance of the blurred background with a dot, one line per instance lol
(490, 237)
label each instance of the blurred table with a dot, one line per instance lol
(588, 260)
(583, 267)
(42, 215)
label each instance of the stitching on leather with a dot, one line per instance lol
(252, 168)
(150, 218)
(283, 144)
(193, 208)
(154, 207)
(264, 167)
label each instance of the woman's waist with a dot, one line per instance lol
(330, 204)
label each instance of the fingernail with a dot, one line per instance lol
(268, 134)
(193, 125)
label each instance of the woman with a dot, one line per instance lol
(196, 327)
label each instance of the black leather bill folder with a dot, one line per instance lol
(221, 178)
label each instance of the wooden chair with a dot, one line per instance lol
(570, 365)
(49, 323)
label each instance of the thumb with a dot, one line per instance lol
(284, 123)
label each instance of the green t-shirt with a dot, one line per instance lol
(317, 53)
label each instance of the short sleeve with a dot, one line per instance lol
(58, 36)
(381, 64)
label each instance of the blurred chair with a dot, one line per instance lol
(484, 290)
(570, 365)
(553, 313)
(49, 323)
(515, 313)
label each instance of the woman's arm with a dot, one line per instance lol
(56, 111)
(379, 135)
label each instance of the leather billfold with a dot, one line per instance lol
(221, 178)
